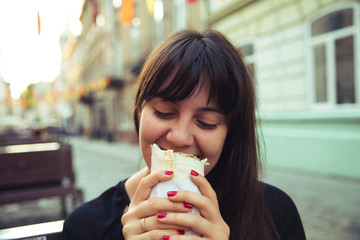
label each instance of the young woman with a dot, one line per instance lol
(194, 96)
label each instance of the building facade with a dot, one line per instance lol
(304, 56)
(5, 104)
(100, 65)
(302, 53)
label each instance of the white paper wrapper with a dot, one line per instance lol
(181, 165)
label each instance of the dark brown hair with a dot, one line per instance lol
(188, 58)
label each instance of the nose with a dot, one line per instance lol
(180, 134)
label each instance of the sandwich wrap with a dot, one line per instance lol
(181, 164)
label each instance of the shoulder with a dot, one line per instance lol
(284, 212)
(276, 198)
(98, 216)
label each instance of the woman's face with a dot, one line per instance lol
(191, 126)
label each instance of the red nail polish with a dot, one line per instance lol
(161, 215)
(181, 232)
(171, 193)
(188, 205)
(169, 172)
(194, 173)
(165, 237)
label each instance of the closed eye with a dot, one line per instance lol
(205, 125)
(164, 115)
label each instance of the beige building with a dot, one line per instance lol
(4, 96)
(100, 65)
(304, 55)
(4, 102)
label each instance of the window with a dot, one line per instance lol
(333, 21)
(345, 77)
(332, 40)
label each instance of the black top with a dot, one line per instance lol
(101, 217)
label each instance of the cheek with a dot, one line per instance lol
(143, 141)
(149, 132)
(212, 148)
(213, 158)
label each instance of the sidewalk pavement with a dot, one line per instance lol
(329, 207)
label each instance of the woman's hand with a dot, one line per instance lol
(210, 224)
(141, 219)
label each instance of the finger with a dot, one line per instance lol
(186, 237)
(207, 203)
(152, 223)
(133, 226)
(198, 224)
(152, 206)
(147, 183)
(204, 186)
(208, 208)
(187, 221)
(162, 234)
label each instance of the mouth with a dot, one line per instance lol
(199, 156)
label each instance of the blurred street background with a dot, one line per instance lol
(68, 72)
(329, 207)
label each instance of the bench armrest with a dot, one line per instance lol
(32, 231)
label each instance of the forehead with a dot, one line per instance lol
(180, 85)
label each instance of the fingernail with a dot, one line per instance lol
(161, 215)
(194, 173)
(166, 237)
(171, 193)
(181, 232)
(169, 172)
(188, 205)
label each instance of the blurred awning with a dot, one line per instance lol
(87, 99)
(86, 91)
(136, 69)
(116, 82)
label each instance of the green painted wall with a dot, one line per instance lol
(327, 145)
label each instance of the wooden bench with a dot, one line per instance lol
(36, 171)
(46, 231)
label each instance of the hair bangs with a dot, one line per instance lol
(181, 66)
(221, 75)
(186, 73)
(196, 66)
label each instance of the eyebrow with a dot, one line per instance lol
(210, 109)
(203, 109)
